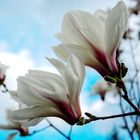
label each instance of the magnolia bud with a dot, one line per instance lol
(81, 121)
(110, 79)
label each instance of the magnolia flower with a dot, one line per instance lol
(48, 94)
(102, 87)
(135, 9)
(20, 125)
(14, 125)
(94, 37)
(3, 69)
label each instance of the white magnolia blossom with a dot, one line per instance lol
(101, 87)
(94, 37)
(14, 125)
(135, 9)
(48, 94)
(3, 69)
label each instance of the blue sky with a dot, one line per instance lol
(27, 30)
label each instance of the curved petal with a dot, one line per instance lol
(102, 15)
(89, 25)
(115, 28)
(70, 33)
(8, 127)
(30, 122)
(14, 96)
(3, 69)
(38, 112)
(37, 93)
(29, 95)
(47, 80)
(58, 65)
(74, 76)
(62, 51)
(80, 28)
(42, 75)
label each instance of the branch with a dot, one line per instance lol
(40, 130)
(125, 97)
(125, 121)
(83, 121)
(59, 131)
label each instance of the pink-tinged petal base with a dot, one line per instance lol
(100, 56)
(23, 132)
(2, 78)
(112, 62)
(100, 69)
(71, 115)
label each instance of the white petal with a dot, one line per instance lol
(31, 122)
(74, 76)
(62, 51)
(3, 68)
(91, 27)
(14, 96)
(44, 73)
(43, 76)
(29, 95)
(8, 127)
(82, 28)
(115, 28)
(49, 87)
(35, 112)
(70, 32)
(58, 64)
(102, 15)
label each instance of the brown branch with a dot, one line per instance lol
(125, 121)
(125, 97)
(38, 131)
(95, 118)
(59, 131)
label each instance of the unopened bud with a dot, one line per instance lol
(81, 121)
(90, 115)
(110, 79)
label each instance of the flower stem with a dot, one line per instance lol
(125, 121)
(125, 97)
(95, 118)
(59, 131)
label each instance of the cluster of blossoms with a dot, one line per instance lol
(87, 39)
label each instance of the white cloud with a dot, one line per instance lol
(18, 65)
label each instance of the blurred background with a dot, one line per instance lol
(27, 30)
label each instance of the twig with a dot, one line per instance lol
(84, 121)
(114, 116)
(70, 131)
(125, 97)
(125, 121)
(6, 90)
(37, 131)
(58, 130)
